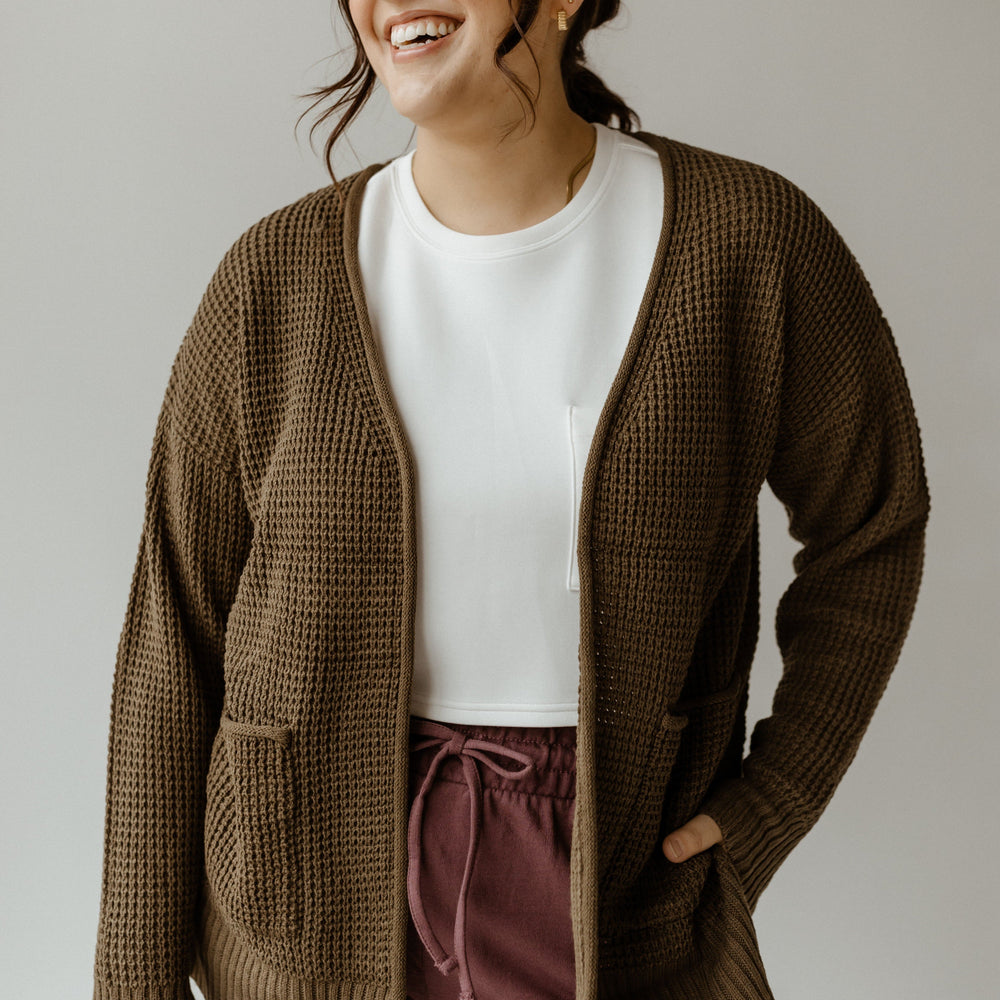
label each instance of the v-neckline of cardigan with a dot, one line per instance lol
(657, 279)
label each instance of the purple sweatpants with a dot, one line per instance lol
(491, 820)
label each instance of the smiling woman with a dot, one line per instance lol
(434, 674)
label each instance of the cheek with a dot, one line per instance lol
(361, 12)
(361, 15)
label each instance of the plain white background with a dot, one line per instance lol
(140, 139)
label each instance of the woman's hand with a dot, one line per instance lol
(695, 836)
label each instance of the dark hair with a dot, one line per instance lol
(585, 91)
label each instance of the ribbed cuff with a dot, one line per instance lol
(114, 991)
(757, 837)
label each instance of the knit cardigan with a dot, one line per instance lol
(256, 815)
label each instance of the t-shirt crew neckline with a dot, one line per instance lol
(439, 237)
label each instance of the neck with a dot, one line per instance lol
(476, 184)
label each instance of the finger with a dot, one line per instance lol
(695, 836)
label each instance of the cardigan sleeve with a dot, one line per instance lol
(848, 469)
(168, 681)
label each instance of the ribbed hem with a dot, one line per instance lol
(757, 838)
(227, 969)
(173, 991)
(737, 975)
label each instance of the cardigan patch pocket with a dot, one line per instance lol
(639, 838)
(582, 424)
(711, 748)
(250, 848)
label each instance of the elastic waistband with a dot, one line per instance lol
(552, 750)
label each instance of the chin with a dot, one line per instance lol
(424, 110)
(413, 112)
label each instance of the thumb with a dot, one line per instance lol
(695, 836)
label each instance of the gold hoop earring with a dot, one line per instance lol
(561, 20)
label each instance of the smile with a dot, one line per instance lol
(422, 32)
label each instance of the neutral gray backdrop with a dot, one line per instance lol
(140, 139)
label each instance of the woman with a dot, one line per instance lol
(433, 678)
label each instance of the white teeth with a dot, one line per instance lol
(405, 34)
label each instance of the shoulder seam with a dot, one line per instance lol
(177, 425)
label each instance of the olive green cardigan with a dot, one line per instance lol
(256, 817)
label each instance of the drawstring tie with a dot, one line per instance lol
(468, 751)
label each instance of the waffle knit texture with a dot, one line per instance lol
(256, 819)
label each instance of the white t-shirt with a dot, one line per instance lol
(500, 352)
